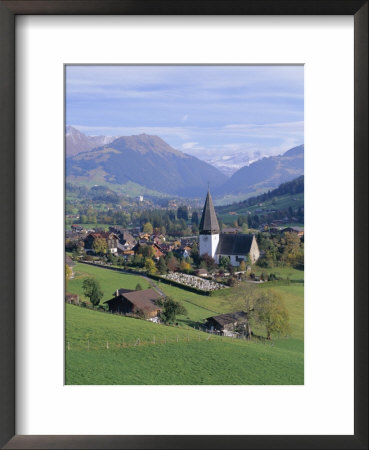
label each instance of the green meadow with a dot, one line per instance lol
(102, 348)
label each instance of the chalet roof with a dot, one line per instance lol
(209, 221)
(144, 299)
(123, 291)
(234, 244)
(226, 319)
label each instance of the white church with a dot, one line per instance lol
(237, 247)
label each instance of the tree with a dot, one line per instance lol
(138, 287)
(148, 228)
(68, 274)
(182, 212)
(208, 260)
(245, 227)
(244, 298)
(150, 266)
(242, 266)
(224, 261)
(99, 246)
(195, 254)
(162, 266)
(91, 289)
(171, 309)
(185, 266)
(270, 310)
(138, 260)
(195, 218)
(172, 263)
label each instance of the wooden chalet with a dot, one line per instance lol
(226, 322)
(110, 238)
(73, 299)
(141, 303)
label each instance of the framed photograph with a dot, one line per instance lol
(177, 182)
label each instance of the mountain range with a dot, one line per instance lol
(77, 142)
(147, 161)
(266, 173)
(150, 162)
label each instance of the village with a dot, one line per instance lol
(211, 261)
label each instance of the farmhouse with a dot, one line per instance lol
(110, 238)
(126, 240)
(237, 247)
(72, 298)
(141, 303)
(156, 249)
(226, 323)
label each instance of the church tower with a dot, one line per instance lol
(209, 229)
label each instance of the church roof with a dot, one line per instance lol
(209, 221)
(234, 244)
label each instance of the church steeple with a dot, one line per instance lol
(209, 222)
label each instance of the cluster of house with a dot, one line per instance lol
(236, 246)
(274, 228)
(193, 281)
(144, 304)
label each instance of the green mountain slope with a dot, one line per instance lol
(267, 173)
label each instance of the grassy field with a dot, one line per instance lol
(191, 360)
(109, 281)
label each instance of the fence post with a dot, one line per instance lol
(177, 338)
(154, 340)
(88, 344)
(68, 346)
(107, 344)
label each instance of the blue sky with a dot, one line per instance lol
(206, 111)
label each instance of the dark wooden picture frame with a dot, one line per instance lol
(8, 11)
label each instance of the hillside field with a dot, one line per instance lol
(180, 355)
(280, 202)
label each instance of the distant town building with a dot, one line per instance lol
(237, 247)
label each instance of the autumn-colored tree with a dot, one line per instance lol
(172, 264)
(150, 266)
(68, 275)
(99, 246)
(270, 310)
(242, 266)
(184, 266)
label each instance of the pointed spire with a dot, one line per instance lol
(209, 222)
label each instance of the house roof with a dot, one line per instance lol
(234, 244)
(209, 221)
(143, 299)
(122, 291)
(226, 319)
